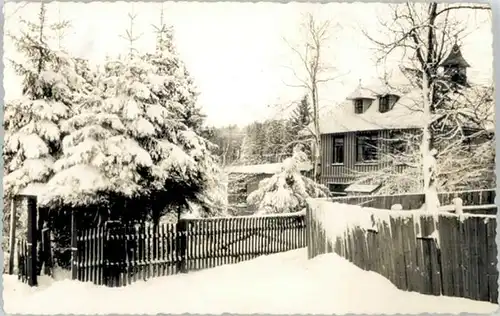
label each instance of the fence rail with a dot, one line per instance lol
(453, 256)
(416, 200)
(116, 255)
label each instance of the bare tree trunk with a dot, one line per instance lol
(427, 150)
(317, 137)
(317, 72)
(429, 73)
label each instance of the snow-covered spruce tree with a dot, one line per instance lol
(51, 86)
(130, 150)
(301, 115)
(198, 181)
(181, 89)
(52, 89)
(287, 190)
(100, 160)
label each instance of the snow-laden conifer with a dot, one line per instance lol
(287, 190)
(51, 86)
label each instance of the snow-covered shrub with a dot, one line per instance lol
(287, 190)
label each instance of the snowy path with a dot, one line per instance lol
(283, 283)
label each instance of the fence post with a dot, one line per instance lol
(12, 234)
(74, 247)
(31, 241)
(181, 245)
(459, 209)
(308, 231)
(46, 251)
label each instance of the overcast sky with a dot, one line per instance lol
(235, 51)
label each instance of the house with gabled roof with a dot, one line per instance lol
(359, 131)
(253, 174)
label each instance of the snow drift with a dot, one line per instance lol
(285, 283)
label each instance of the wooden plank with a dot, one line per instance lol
(431, 227)
(426, 251)
(457, 264)
(446, 228)
(398, 252)
(358, 237)
(464, 245)
(382, 268)
(385, 258)
(410, 246)
(419, 256)
(309, 227)
(88, 254)
(474, 257)
(246, 228)
(371, 250)
(390, 255)
(436, 268)
(32, 241)
(482, 259)
(491, 227)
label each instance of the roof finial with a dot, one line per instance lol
(360, 82)
(456, 46)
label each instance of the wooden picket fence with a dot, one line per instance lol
(453, 256)
(22, 252)
(116, 255)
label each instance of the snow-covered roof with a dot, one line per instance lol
(406, 113)
(362, 188)
(361, 93)
(455, 57)
(268, 168)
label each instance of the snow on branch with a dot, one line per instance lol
(287, 190)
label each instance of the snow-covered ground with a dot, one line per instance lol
(283, 283)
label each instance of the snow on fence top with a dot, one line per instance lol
(263, 216)
(336, 218)
(268, 168)
(416, 200)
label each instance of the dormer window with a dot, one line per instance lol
(358, 106)
(386, 102)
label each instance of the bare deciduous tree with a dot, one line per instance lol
(314, 71)
(423, 33)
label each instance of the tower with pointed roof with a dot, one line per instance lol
(455, 66)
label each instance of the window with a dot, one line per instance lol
(366, 147)
(338, 149)
(457, 75)
(337, 189)
(384, 105)
(358, 106)
(386, 102)
(397, 143)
